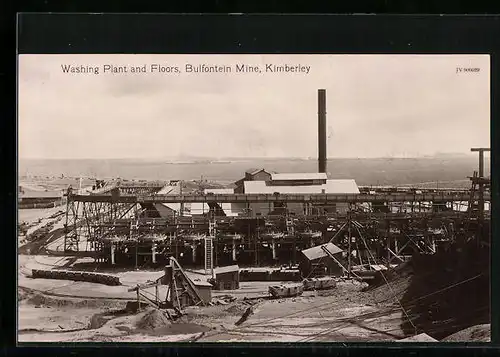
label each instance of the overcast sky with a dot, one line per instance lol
(376, 106)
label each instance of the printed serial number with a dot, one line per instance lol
(467, 70)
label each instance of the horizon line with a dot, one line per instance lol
(215, 159)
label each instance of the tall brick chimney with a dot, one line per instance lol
(322, 130)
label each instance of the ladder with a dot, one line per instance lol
(209, 265)
(211, 227)
(134, 227)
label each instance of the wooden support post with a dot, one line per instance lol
(137, 253)
(175, 238)
(112, 253)
(153, 253)
(388, 234)
(481, 191)
(193, 253)
(349, 237)
(426, 232)
(215, 248)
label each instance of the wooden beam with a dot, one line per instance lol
(286, 198)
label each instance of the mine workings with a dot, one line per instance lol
(150, 261)
(273, 257)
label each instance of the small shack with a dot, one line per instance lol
(227, 278)
(324, 259)
(204, 290)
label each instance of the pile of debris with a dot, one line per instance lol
(98, 278)
(240, 307)
(389, 286)
(153, 319)
(441, 293)
(57, 214)
(40, 232)
(479, 333)
(222, 300)
(449, 291)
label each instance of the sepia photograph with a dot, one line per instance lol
(253, 198)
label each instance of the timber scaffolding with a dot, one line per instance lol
(380, 225)
(112, 228)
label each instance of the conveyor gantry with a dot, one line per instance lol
(304, 198)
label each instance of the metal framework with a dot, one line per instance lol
(387, 220)
(285, 198)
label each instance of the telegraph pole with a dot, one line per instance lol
(480, 180)
(349, 242)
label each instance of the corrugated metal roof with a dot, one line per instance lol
(331, 186)
(202, 283)
(299, 176)
(318, 252)
(253, 171)
(169, 190)
(220, 191)
(227, 269)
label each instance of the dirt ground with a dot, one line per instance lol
(57, 310)
(479, 333)
(69, 311)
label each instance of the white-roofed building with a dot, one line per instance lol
(330, 186)
(298, 183)
(309, 178)
(252, 175)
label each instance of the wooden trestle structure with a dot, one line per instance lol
(381, 225)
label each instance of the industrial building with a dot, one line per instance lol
(204, 290)
(284, 227)
(227, 278)
(269, 218)
(39, 199)
(169, 210)
(325, 259)
(251, 175)
(262, 182)
(299, 183)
